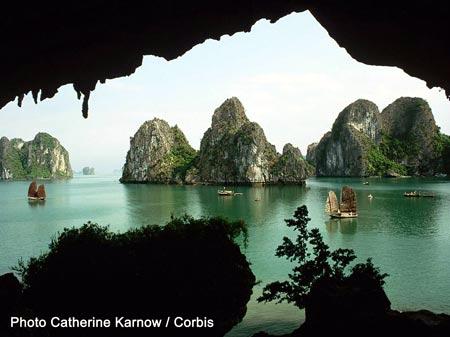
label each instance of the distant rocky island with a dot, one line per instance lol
(158, 153)
(43, 157)
(88, 171)
(233, 150)
(401, 140)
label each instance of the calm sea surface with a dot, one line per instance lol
(408, 238)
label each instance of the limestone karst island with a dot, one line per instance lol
(401, 140)
(43, 157)
(233, 150)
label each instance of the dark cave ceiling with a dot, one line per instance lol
(48, 44)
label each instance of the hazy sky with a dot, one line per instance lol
(292, 78)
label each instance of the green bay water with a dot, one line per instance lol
(408, 238)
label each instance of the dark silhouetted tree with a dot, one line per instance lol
(315, 264)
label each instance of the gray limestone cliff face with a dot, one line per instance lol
(409, 121)
(406, 116)
(291, 167)
(401, 140)
(234, 150)
(43, 157)
(311, 153)
(344, 150)
(5, 169)
(158, 154)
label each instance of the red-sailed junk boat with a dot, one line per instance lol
(35, 192)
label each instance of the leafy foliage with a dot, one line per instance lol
(315, 263)
(14, 163)
(389, 154)
(182, 155)
(379, 164)
(442, 147)
(45, 140)
(392, 151)
(38, 171)
(189, 267)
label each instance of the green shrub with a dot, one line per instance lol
(38, 171)
(380, 164)
(182, 155)
(14, 163)
(395, 149)
(189, 268)
(442, 148)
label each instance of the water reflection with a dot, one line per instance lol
(256, 205)
(155, 204)
(389, 211)
(332, 225)
(344, 226)
(36, 203)
(348, 226)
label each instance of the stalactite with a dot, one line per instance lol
(85, 106)
(35, 93)
(48, 92)
(20, 99)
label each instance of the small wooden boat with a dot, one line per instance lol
(225, 192)
(415, 194)
(36, 193)
(346, 208)
(344, 215)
